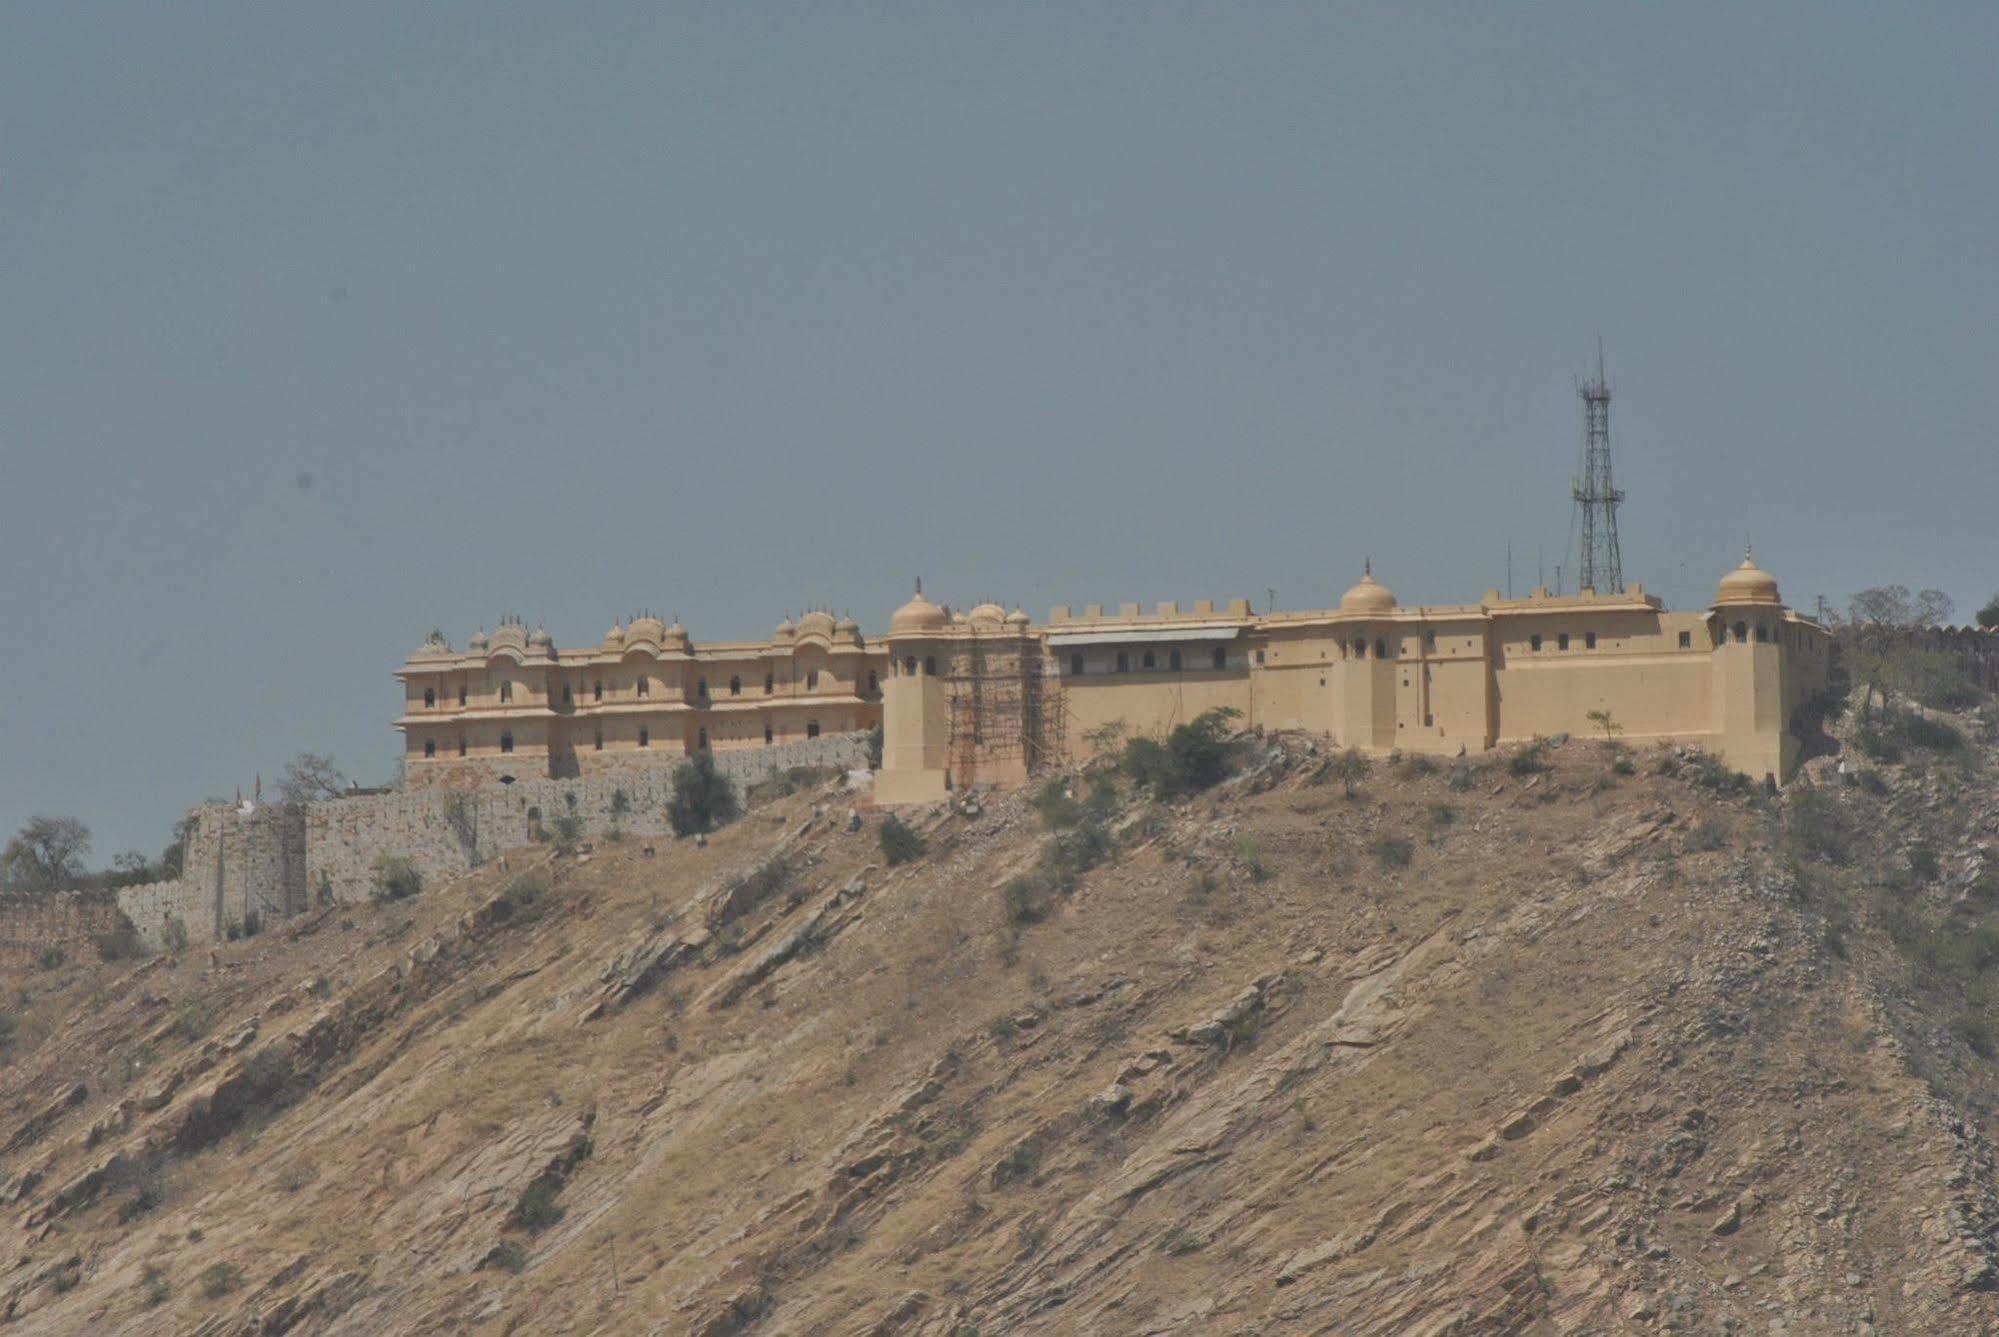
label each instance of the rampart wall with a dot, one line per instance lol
(68, 920)
(274, 861)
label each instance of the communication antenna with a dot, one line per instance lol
(1595, 495)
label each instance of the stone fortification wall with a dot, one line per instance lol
(446, 832)
(241, 864)
(70, 921)
(273, 861)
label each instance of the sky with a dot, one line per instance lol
(324, 325)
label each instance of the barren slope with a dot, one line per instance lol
(1591, 1060)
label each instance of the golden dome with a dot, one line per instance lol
(1748, 584)
(919, 614)
(1368, 596)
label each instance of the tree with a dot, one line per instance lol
(46, 853)
(1894, 606)
(309, 776)
(175, 854)
(1874, 655)
(1602, 720)
(1350, 768)
(1988, 616)
(702, 797)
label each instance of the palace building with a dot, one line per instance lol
(514, 706)
(984, 697)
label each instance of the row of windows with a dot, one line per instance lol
(644, 688)
(1149, 660)
(645, 739)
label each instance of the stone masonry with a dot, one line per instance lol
(273, 861)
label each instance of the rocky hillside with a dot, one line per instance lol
(1580, 1039)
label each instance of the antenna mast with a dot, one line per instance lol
(1596, 497)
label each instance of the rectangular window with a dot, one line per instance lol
(1589, 640)
(1562, 641)
(1686, 640)
(1534, 641)
(506, 692)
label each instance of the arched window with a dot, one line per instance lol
(812, 728)
(566, 698)
(768, 735)
(812, 680)
(1123, 661)
(1429, 640)
(874, 683)
(1076, 665)
(1221, 657)
(645, 685)
(1589, 640)
(770, 683)
(597, 692)
(1148, 661)
(506, 690)
(700, 687)
(735, 686)
(930, 666)
(703, 743)
(430, 747)
(461, 745)
(430, 696)
(600, 740)
(1741, 632)
(461, 693)
(645, 738)
(909, 667)
(1380, 649)
(507, 740)
(1173, 661)
(1359, 648)
(1562, 641)
(1534, 642)
(1762, 633)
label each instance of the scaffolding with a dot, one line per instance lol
(1007, 720)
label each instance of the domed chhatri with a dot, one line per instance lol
(919, 614)
(647, 628)
(816, 623)
(674, 637)
(1367, 595)
(614, 639)
(1018, 618)
(986, 615)
(1748, 584)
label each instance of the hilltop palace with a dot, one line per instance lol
(987, 697)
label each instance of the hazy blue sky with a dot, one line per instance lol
(730, 309)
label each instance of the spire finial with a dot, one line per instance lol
(1367, 566)
(919, 584)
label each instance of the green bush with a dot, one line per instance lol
(507, 1255)
(522, 896)
(50, 957)
(567, 830)
(396, 878)
(1058, 810)
(875, 739)
(901, 842)
(120, 944)
(1077, 850)
(174, 934)
(154, 1290)
(702, 797)
(1028, 899)
(1394, 851)
(1715, 777)
(1193, 757)
(1529, 760)
(219, 1279)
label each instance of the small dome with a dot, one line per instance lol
(1017, 618)
(541, 640)
(646, 628)
(785, 629)
(816, 623)
(675, 636)
(1748, 584)
(1368, 596)
(919, 614)
(479, 642)
(846, 626)
(615, 637)
(434, 644)
(986, 615)
(510, 634)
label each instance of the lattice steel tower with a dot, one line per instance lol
(1602, 567)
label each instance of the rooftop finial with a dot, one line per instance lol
(919, 584)
(1367, 566)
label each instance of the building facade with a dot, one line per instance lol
(512, 706)
(986, 698)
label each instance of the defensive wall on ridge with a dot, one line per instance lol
(273, 861)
